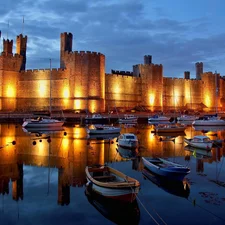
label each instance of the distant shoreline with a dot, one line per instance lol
(18, 117)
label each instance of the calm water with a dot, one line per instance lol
(42, 181)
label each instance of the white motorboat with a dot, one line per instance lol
(166, 168)
(102, 129)
(128, 118)
(199, 141)
(128, 140)
(186, 118)
(42, 123)
(209, 120)
(158, 118)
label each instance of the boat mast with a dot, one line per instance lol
(216, 90)
(50, 90)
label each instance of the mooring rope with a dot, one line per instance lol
(146, 208)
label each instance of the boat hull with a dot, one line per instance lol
(44, 124)
(209, 123)
(127, 194)
(173, 173)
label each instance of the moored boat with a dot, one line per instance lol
(199, 141)
(96, 118)
(166, 168)
(158, 118)
(112, 183)
(42, 123)
(128, 118)
(209, 121)
(186, 118)
(128, 140)
(103, 129)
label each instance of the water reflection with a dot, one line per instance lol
(178, 188)
(70, 150)
(116, 211)
(198, 153)
(127, 153)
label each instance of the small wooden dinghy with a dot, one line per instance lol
(112, 183)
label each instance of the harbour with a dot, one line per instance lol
(43, 178)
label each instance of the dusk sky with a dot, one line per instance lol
(177, 33)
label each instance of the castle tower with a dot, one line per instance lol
(65, 45)
(147, 59)
(7, 46)
(186, 74)
(199, 70)
(21, 48)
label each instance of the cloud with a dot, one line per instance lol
(124, 31)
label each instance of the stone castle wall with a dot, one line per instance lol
(151, 85)
(81, 83)
(181, 93)
(87, 74)
(34, 89)
(122, 91)
(211, 98)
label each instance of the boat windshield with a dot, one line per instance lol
(130, 137)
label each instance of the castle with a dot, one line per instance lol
(81, 83)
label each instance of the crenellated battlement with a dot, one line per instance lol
(121, 75)
(124, 73)
(83, 53)
(43, 70)
(149, 65)
(5, 55)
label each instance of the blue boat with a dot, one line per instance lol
(165, 168)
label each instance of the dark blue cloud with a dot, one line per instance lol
(124, 31)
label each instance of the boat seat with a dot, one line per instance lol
(105, 178)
